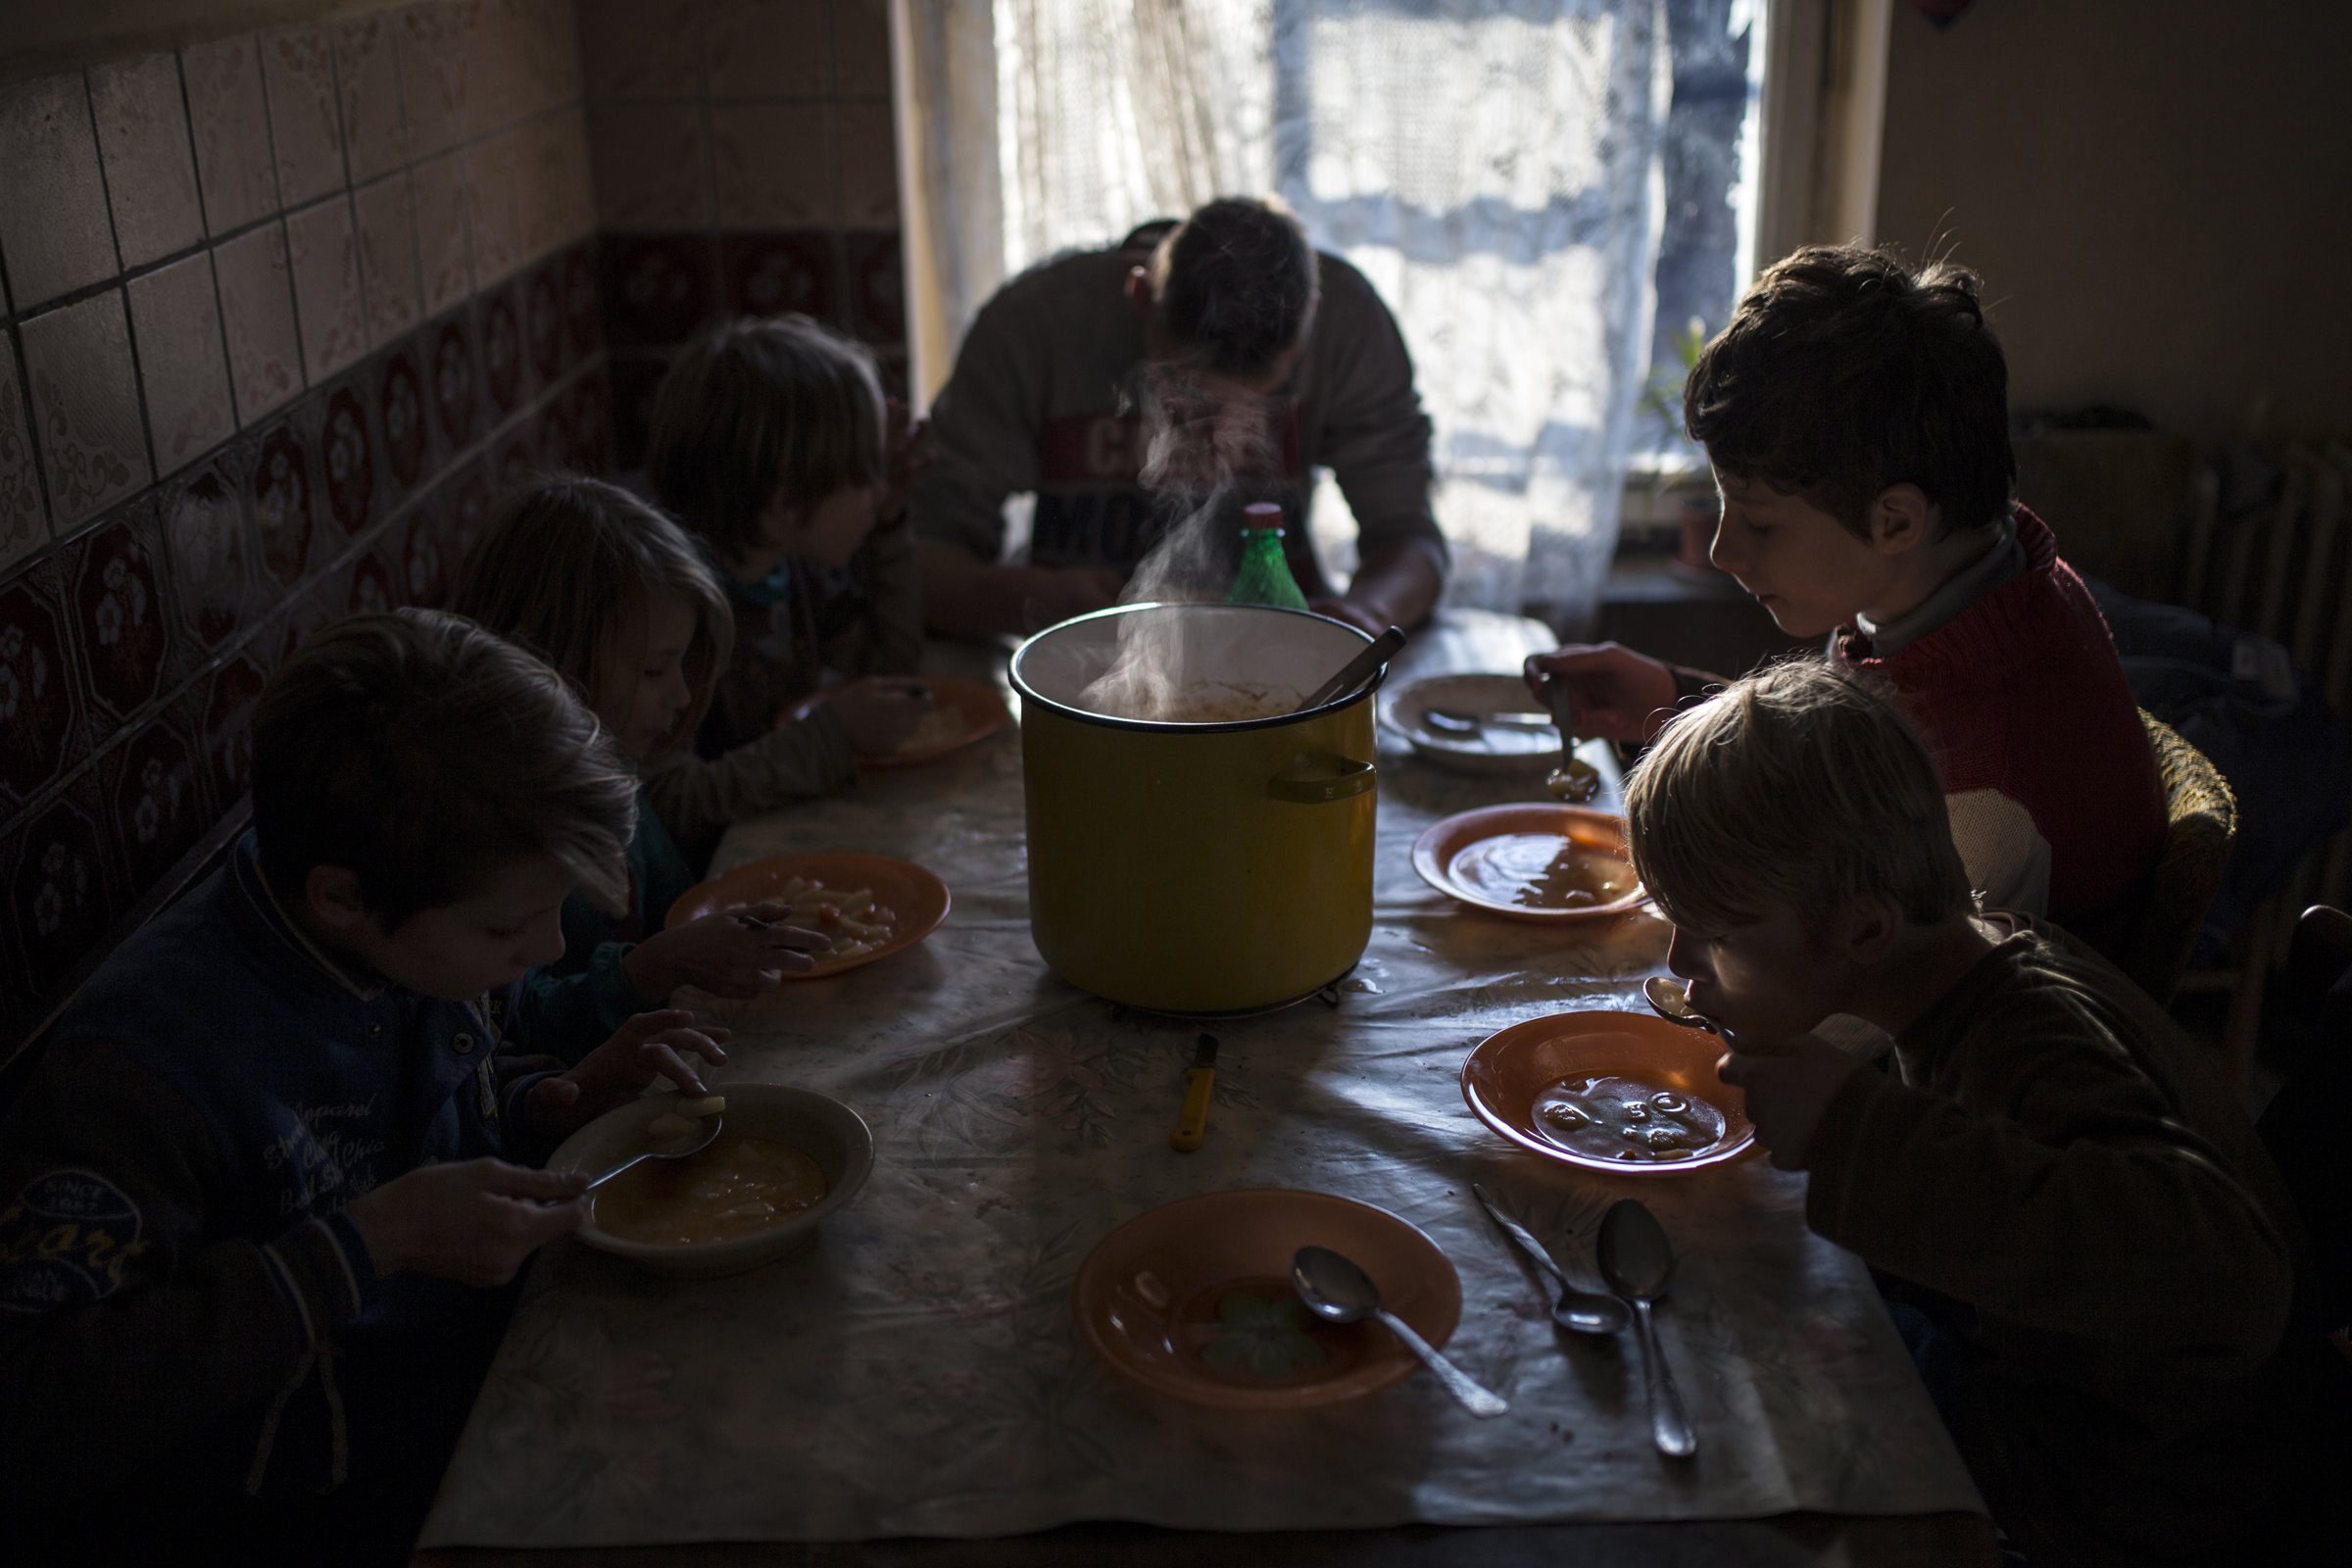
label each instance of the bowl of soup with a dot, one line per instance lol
(783, 1160)
(1625, 1093)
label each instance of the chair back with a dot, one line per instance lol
(2200, 822)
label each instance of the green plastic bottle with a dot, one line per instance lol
(1264, 577)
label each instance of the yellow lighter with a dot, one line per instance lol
(1199, 1080)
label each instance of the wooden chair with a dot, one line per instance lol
(2201, 817)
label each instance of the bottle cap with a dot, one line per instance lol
(1261, 514)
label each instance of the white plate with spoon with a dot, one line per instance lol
(1474, 724)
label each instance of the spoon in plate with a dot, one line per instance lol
(677, 1147)
(1637, 1259)
(1335, 1291)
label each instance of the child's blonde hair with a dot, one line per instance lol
(761, 407)
(565, 568)
(1800, 785)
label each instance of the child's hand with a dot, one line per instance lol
(906, 454)
(879, 712)
(473, 1222)
(733, 955)
(1789, 1084)
(1613, 693)
(649, 1045)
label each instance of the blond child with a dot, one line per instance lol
(773, 446)
(618, 600)
(259, 1196)
(2098, 1260)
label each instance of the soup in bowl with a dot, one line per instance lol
(784, 1160)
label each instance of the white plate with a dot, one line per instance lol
(1495, 749)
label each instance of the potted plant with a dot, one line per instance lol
(1662, 400)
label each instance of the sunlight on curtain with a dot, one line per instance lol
(1493, 165)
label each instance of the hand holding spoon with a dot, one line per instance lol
(1575, 782)
(1335, 1291)
(1637, 1259)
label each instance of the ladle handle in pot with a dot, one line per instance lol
(1322, 778)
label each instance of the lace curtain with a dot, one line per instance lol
(1493, 166)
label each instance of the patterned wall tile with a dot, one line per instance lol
(456, 387)
(338, 432)
(583, 301)
(506, 365)
(860, 31)
(516, 461)
(86, 407)
(306, 121)
(642, 48)
(402, 417)
(150, 164)
(257, 316)
(760, 49)
(235, 168)
(42, 736)
(386, 215)
(281, 495)
(156, 794)
(211, 551)
(61, 892)
(466, 497)
(54, 233)
(23, 521)
(659, 288)
(492, 171)
(374, 583)
(877, 293)
(441, 238)
(775, 168)
(652, 168)
(592, 422)
(551, 436)
(228, 699)
(769, 275)
(323, 250)
(121, 601)
(867, 137)
(425, 566)
(376, 131)
(437, 71)
(636, 378)
(543, 324)
(184, 369)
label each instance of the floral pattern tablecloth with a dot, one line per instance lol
(919, 1372)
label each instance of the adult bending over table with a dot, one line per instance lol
(1208, 363)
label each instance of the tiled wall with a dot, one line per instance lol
(282, 311)
(744, 165)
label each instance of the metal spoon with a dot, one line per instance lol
(1462, 721)
(1670, 1000)
(677, 1147)
(1335, 1291)
(1575, 782)
(1579, 1311)
(1637, 1259)
(1353, 674)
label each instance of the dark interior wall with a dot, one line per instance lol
(2154, 192)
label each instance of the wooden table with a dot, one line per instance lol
(916, 1380)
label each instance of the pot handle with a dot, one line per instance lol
(1321, 777)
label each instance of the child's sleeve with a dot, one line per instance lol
(886, 638)
(698, 798)
(2006, 857)
(2088, 1209)
(569, 1016)
(129, 1327)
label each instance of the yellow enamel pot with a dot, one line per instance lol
(1196, 867)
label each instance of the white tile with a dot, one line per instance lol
(234, 167)
(257, 316)
(323, 249)
(86, 407)
(184, 367)
(150, 163)
(54, 229)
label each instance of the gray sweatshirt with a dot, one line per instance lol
(1042, 401)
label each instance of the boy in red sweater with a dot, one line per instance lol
(1857, 416)
(2092, 1257)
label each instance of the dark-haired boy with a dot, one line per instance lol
(258, 1192)
(1855, 413)
(1070, 373)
